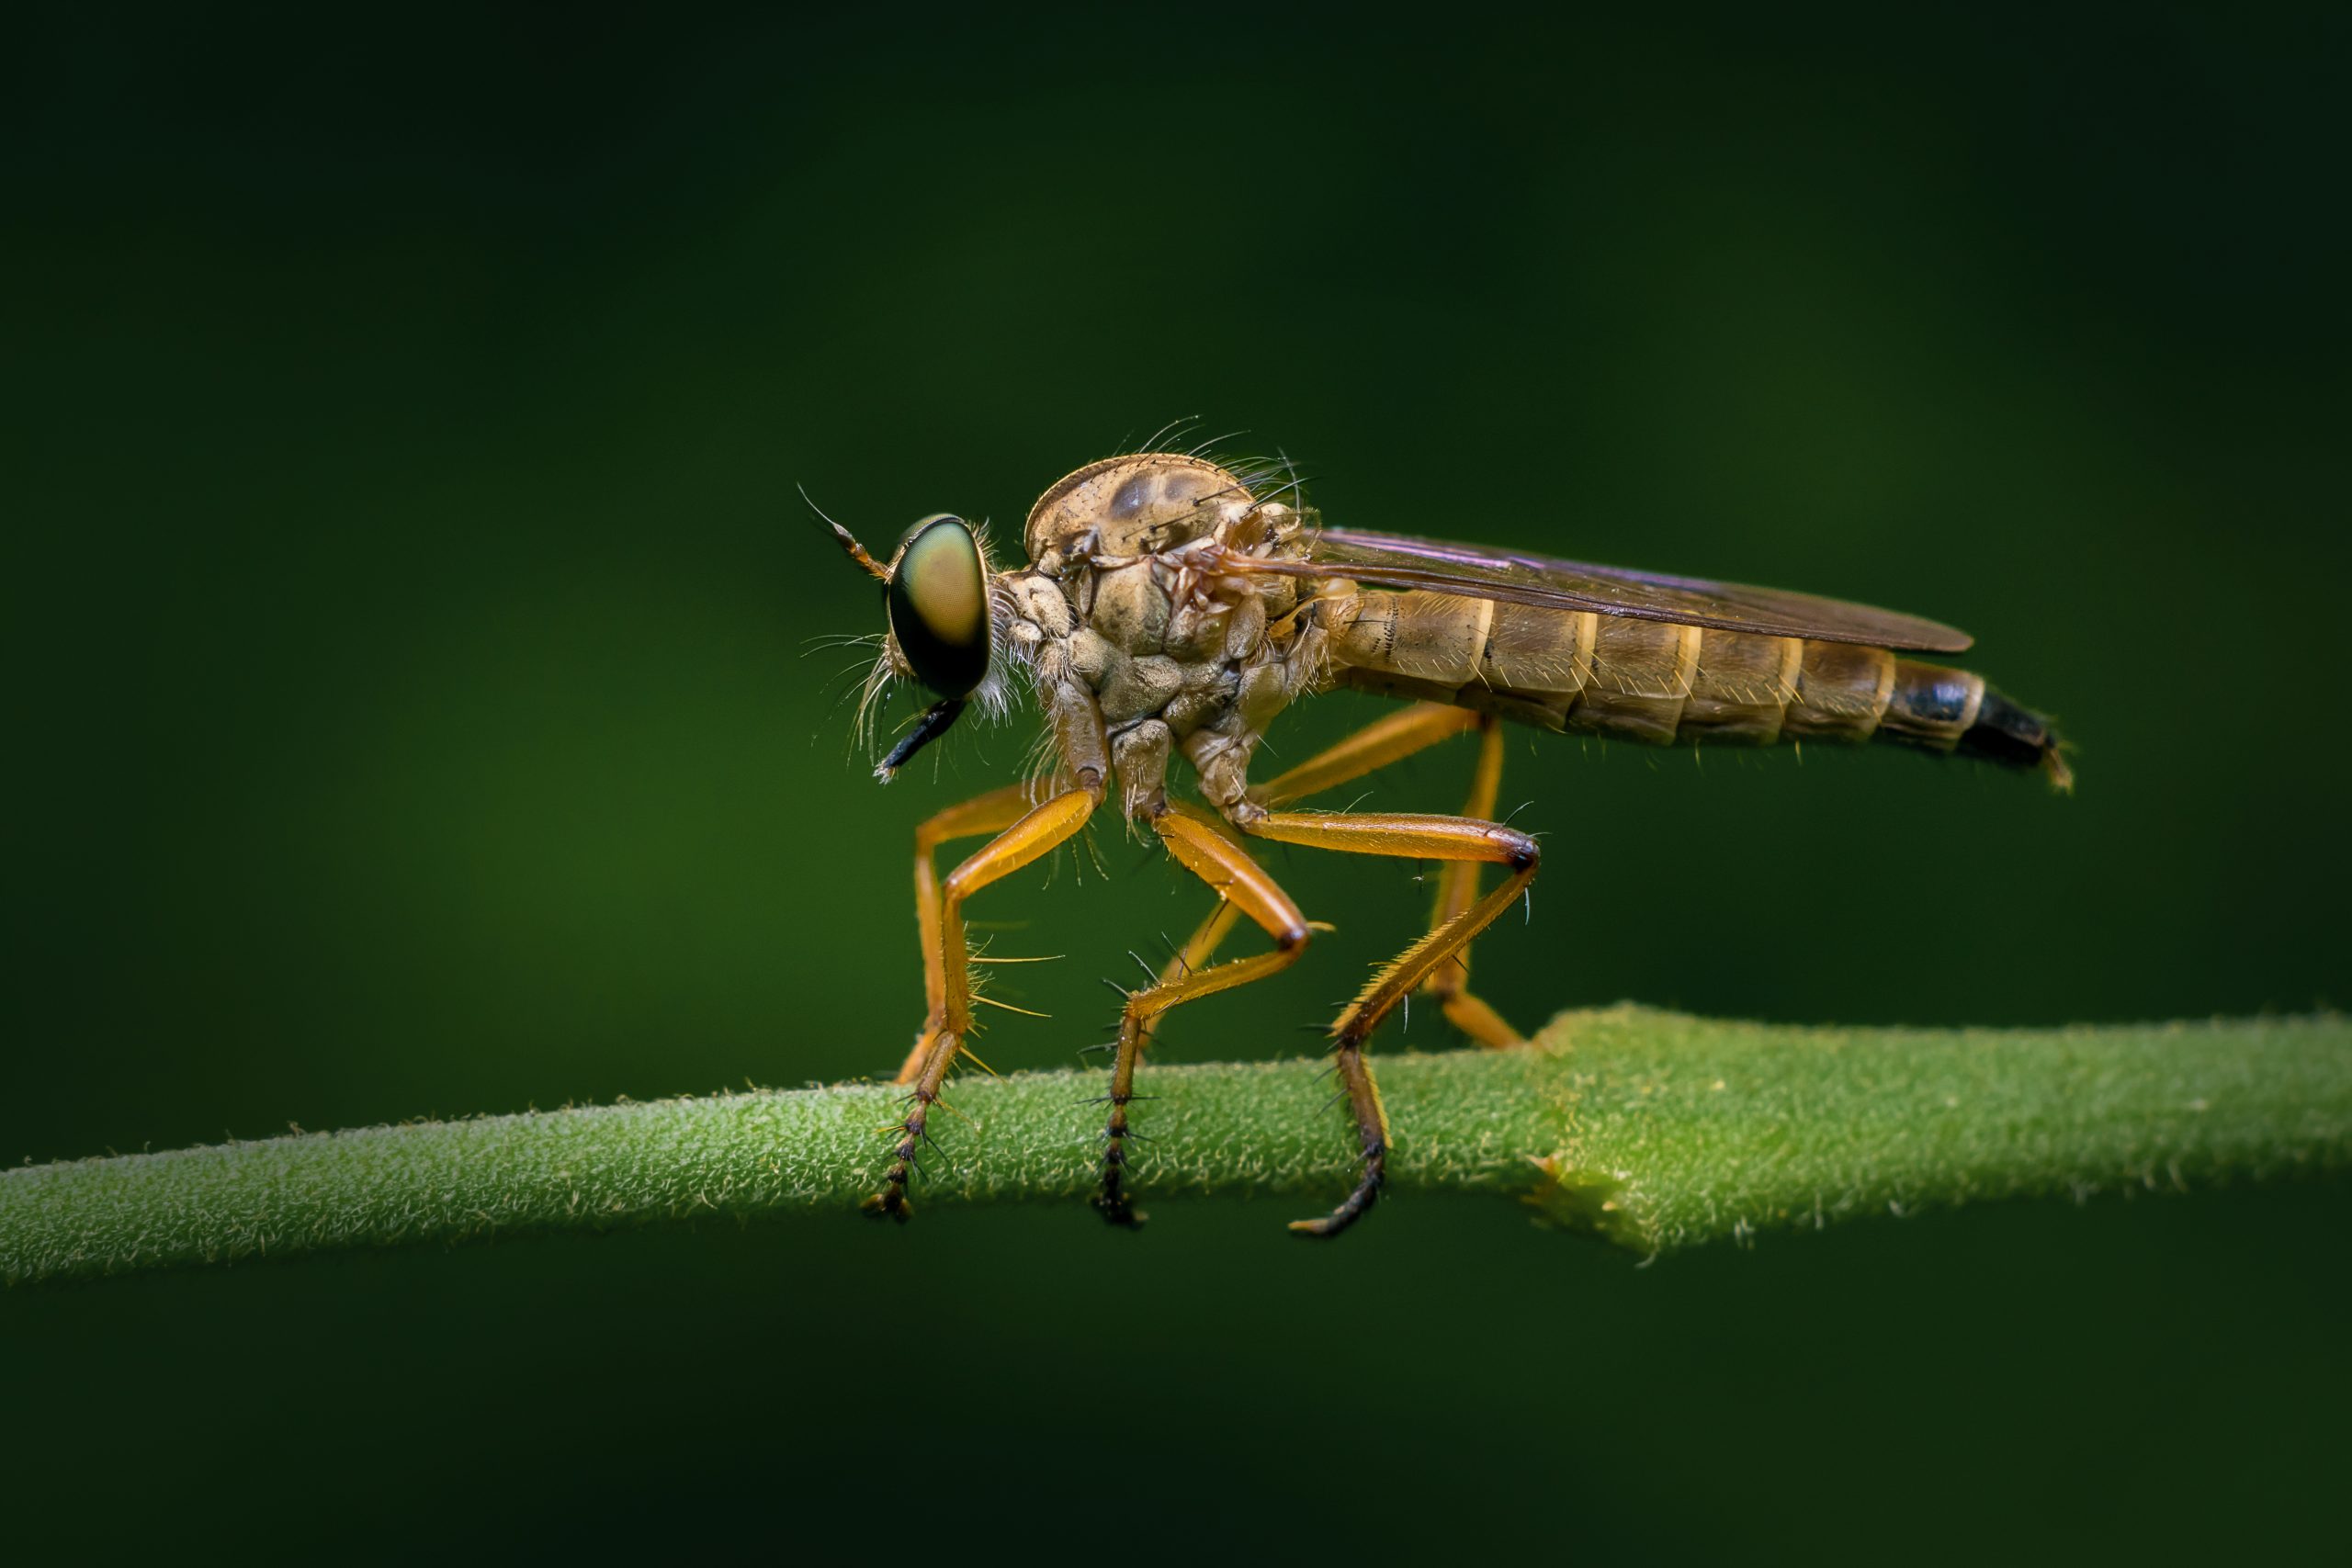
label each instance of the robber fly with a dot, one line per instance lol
(1173, 607)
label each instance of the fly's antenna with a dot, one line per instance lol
(848, 541)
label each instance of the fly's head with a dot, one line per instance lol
(940, 599)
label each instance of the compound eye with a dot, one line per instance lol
(938, 605)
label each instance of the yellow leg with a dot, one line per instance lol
(1412, 837)
(1200, 843)
(1036, 833)
(1457, 890)
(1391, 739)
(1198, 949)
(989, 813)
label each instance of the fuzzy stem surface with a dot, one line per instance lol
(1650, 1130)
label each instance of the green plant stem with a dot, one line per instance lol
(1649, 1129)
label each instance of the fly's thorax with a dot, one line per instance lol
(1130, 604)
(1152, 647)
(1140, 505)
(1173, 662)
(1131, 597)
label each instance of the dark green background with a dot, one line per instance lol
(405, 598)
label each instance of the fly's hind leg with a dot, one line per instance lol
(1391, 739)
(1457, 890)
(1201, 844)
(1450, 839)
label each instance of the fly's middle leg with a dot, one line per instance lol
(1202, 845)
(1386, 740)
(1198, 949)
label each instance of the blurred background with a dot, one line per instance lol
(407, 608)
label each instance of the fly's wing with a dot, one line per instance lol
(1399, 561)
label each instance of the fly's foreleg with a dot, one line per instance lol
(1411, 837)
(1199, 843)
(1035, 833)
(989, 813)
(1457, 891)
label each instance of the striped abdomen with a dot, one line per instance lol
(1660, 683)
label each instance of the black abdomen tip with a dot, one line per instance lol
(2012, 736)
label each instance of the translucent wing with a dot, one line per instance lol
(1399, 561)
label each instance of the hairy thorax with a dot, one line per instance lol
(1133, 607)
